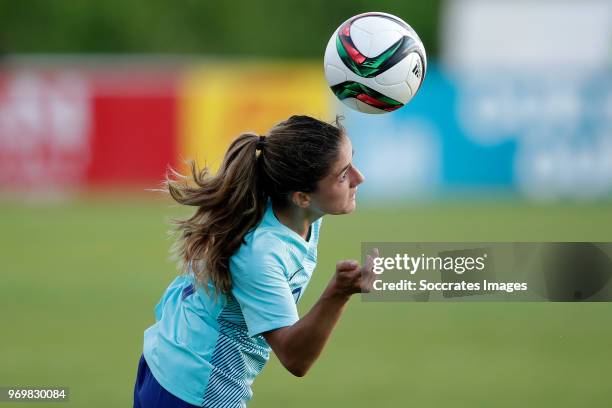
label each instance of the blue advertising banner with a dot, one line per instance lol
(542, 136)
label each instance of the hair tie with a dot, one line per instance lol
(260, 143)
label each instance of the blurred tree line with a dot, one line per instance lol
(273, 28)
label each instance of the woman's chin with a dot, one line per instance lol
(347, 208)
(351, 206)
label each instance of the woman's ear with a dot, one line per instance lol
(300, 199)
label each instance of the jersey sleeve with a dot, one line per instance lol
(261, 288)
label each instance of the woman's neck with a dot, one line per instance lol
(296, 218)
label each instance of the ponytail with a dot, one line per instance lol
(230, 203)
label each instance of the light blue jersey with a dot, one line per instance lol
(208, 351)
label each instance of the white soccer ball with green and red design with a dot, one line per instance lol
(375, 62)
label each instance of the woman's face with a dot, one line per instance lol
(337, 191)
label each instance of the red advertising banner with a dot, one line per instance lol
(134, 128)
(75, 127)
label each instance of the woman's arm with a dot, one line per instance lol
(298, 346)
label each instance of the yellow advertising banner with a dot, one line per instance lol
(218, 102)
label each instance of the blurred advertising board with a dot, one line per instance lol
(544, 137)
(70, 127)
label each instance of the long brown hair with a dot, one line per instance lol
(294, 156)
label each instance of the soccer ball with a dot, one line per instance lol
(375, 62)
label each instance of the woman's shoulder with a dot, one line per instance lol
(264, 240)
(263, 248)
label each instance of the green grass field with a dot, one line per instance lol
(80, 280)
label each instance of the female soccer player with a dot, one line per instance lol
(248, 253)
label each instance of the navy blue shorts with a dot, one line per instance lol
(149, 394)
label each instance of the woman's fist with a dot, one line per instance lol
(351, 278)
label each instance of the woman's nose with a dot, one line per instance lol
(358, 177)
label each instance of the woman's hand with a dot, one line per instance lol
(350, 278)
